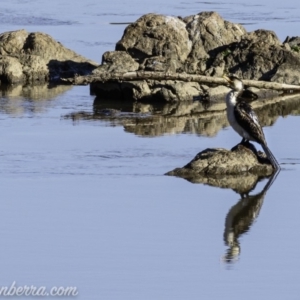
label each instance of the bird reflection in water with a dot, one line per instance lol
(240, 219)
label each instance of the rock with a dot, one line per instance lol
(203, 44)
(12, 42)
(121, 90)
(289, 70)
(32, 57)
(293, 42)
(217, 94)
(117, 61)
(209, 32)
(257, 56)
(11, 69)
(165, 90)
(214, 162)
(155, 35)
(174, 90)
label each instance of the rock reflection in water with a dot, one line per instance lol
(14, 98)
(155, 119)
(240, 184)
(240, 219)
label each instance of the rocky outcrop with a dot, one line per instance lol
(241, 159)
(37, 57)
(202, 44)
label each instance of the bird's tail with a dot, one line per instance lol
(271, 157)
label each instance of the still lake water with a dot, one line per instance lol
(86, 204)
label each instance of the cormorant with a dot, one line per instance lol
(244, 120)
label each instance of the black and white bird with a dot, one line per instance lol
(244, 120)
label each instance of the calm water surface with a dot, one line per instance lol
(85, 203)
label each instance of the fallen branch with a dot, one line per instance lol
(141, 75)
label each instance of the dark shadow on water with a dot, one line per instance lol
(68, 69)
(240, 218)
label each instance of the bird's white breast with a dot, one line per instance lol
(230, 103)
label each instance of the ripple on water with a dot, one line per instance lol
(9, 18)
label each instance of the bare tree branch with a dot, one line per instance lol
(141, 75)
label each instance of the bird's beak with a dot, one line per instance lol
(227, 78)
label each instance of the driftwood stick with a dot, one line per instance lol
(141, 75)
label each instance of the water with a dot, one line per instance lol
(85, 202)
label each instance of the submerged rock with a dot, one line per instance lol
(241, 159)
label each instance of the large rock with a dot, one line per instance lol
(204, 44)
(31, 57)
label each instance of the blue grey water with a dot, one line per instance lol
(86, 204)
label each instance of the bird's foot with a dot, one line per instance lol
(245, 142)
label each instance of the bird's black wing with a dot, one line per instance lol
(247, 118)
(247, 96)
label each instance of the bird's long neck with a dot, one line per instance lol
(231, 98)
